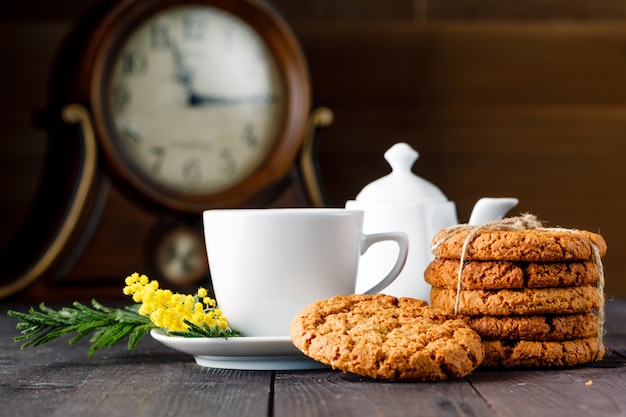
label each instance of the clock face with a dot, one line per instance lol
(195, 100)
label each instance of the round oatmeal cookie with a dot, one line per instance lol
(495, 275)
(536, 327)
(527, 354)
(567, 300)
(380, 336)
(531, 245)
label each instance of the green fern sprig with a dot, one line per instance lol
(108, 325)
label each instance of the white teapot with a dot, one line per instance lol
(402, 201)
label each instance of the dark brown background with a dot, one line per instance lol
(523, 99)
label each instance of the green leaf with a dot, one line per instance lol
(137, 334)
(195, 330)
(107, 325)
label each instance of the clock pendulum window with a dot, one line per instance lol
(182, 105)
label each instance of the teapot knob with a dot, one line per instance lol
(401, 185)
(401, 158)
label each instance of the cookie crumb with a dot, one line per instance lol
(589, 383)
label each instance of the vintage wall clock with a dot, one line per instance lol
(194, 104)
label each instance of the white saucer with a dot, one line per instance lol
(245, 353)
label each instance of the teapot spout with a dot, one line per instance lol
(489, 209)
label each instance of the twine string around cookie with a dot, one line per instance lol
(597, 261)
(524, 221)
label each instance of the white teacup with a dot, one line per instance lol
(267, 264)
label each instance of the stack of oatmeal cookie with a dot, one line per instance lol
(530, 294)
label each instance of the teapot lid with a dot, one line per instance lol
(401, 185)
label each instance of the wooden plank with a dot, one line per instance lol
(586, 391)
(526, 10)
(333, 10)
(60, 380)
(480, 99)
(145, 390)
(360, 10)
(445, 64)
(326, 393)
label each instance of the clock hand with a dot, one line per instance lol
(201, 100)
(183, 73)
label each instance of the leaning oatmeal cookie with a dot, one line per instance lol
(383, 337)
(525, 354)
(548, 327)
(567, 300)
(495, 275)
(531, 245)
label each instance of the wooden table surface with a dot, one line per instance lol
(153, 380)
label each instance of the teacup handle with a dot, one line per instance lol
(403, 244)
